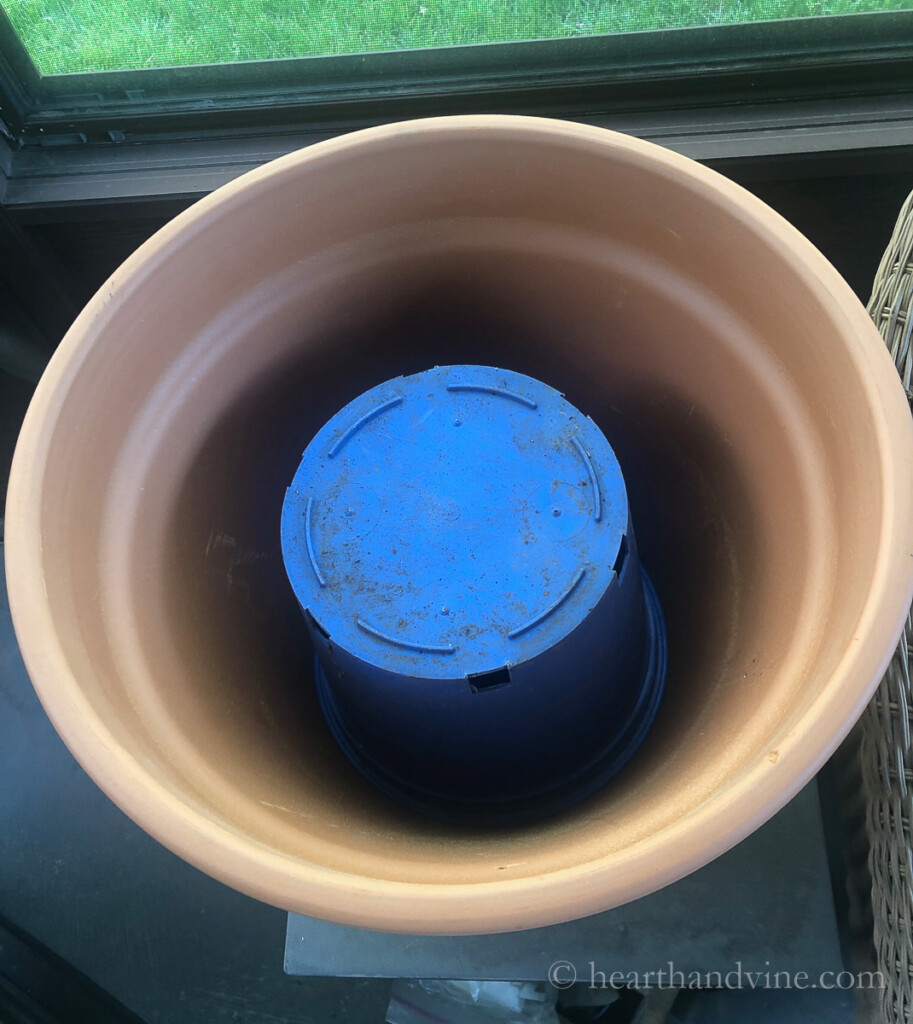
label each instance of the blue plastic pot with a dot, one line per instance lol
(488, 648)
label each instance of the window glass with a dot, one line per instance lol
(101, 35)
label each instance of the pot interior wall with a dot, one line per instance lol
(678, 327)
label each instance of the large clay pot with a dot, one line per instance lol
(765, 442)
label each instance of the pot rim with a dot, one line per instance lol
(533, 901)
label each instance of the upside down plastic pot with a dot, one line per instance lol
(489, 650)
(767, 456)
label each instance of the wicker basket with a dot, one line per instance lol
(887, 749)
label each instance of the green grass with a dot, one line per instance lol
(97, 35)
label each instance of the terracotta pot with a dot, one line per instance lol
(764, 437)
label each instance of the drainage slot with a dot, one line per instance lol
(488, 680)
(316, 624)
(622, 557)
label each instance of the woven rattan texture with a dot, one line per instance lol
(887, 757)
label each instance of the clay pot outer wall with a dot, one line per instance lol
(765, 441)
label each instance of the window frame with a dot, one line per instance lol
(716, 93)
